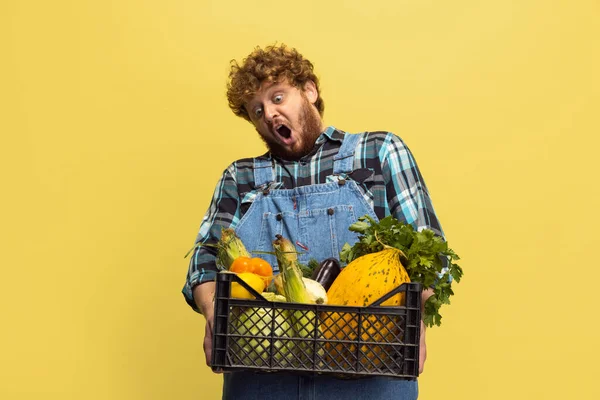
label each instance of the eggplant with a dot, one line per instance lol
(326, 272)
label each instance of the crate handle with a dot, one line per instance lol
(390, 294)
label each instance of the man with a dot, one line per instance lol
(310, 186)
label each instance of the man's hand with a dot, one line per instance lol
(204, 295)
(422, 348)
(208, 330)
(422, 345)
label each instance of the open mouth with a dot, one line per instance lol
(283, 131)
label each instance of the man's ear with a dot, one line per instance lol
(311, 92)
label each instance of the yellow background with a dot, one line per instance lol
(115, 129)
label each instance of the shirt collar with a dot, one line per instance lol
(330, 133)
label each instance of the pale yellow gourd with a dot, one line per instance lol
(368, 278)
(360, 283)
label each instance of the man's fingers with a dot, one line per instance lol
(208, 343)
(422, 358)
(422, 349)
(208, 354)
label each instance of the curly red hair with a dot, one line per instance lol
(273, 63)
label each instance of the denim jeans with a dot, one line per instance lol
(266, 386)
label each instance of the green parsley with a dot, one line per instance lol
(425, 255)
(308, 269)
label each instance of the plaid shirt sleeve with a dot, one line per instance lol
(223, 212)
(407, 194)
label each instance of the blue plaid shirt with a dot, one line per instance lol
(384, 168)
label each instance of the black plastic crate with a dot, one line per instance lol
(342, 341)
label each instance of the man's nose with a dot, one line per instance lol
(270, 114)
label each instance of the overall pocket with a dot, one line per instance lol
(324, 231)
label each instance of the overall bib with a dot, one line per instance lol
(316, 218)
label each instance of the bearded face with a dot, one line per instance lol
(310, 129)
(286, 119)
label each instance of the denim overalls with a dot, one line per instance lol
(316, 218)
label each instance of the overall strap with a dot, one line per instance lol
(344, 159)
(263, 172)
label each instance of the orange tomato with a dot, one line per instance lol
(253, 265)
(261, 267)
(241, 264)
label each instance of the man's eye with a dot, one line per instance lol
(278, 99)
(258, 112)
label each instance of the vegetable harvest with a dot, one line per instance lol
(326, 272)
(254, 265)
(315, 290)
(425, 256)
(388, 253)
(265, 330)
(363, 281)
(301, 322)
(256, 324)
(368, 278)
(233, 256)
(291, 275)
(229, 248)
(253, 280)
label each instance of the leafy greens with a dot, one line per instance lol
(429, 260)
